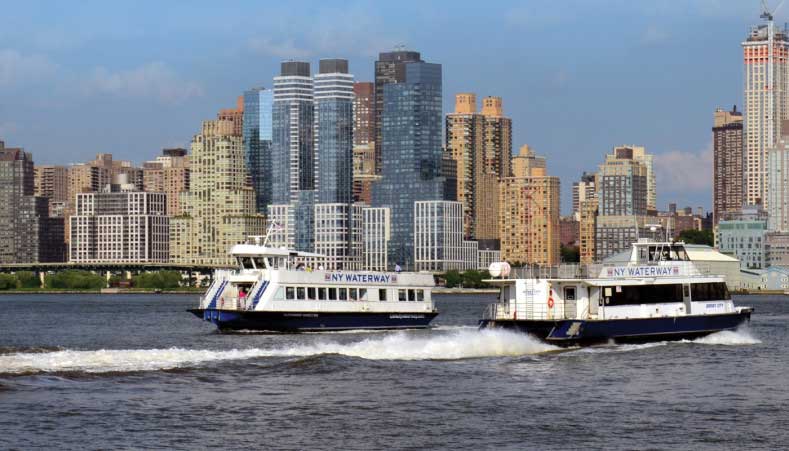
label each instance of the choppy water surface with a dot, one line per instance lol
(105, 372)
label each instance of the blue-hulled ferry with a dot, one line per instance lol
(281, 290)
(659, 294)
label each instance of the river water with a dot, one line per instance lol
(137, 371)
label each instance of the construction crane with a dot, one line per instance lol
(766, 13)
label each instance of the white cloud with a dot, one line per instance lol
(683, 172)
(356, 30)
(16, 68)
(282, 49)
(151, 80)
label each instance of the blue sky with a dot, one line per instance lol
(577, 77)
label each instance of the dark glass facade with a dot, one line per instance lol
(411, 153)
(390, 68)
(334, 134)
(258, 109)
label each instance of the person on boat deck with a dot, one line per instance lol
(398, 268)
(300, 267)
(242, 294)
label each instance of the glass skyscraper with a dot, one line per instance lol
(258, 109)
(411, 151)
(389, 68)
(337, 223)
(292, 162)
(334, 132)
(293, 153)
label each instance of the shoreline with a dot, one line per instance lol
(437, 290)
(443, 290)
(16, 292)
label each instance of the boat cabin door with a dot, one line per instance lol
(686, 297)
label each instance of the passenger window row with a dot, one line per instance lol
(325, 294)
(296, 293)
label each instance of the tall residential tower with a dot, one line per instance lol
(766, 77)
(727, 175)
(411, 151)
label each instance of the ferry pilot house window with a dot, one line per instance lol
(569, 293)
(709, 292)
(645, 294)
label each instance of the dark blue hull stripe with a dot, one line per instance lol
(623, 330)
(229, 320)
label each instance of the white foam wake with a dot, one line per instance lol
(729, 338)
(462, 344)
(738, 337)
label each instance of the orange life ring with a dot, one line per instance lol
(550, 301)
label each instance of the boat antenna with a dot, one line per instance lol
(268, 232)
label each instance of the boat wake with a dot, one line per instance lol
(455, 345)
(739, 337)
(728, 338)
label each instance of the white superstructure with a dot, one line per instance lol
(280, 280)
(658, 281)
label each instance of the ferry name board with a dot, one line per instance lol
(642, 271)
(360, 278)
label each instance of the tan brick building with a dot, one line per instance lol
(364, 145)
(234, 115)
(218, 211)
(169, 174)
(529, 218)
(52, 182)
(586, 229)
(480, 144)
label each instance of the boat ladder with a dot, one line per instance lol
(217, 294)
(528, 310)
(255, 296)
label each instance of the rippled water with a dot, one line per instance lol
(123, 372)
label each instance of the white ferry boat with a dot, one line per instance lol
(283, 290)
(659, 294)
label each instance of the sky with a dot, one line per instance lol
(576, 77)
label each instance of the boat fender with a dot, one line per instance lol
(550, 300)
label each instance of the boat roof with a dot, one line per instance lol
(605, 282)
(256, 250)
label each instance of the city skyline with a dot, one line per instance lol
(143, 98)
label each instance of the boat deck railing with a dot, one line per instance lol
(598, 270)
(523, 310)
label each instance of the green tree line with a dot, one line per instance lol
(466, 279)
(72, 279)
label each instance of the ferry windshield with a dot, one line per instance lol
(245, 262)
(643, 294)
(662, 253)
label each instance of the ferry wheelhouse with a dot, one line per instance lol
(658, 294)
(276, 289)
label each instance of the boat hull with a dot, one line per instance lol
(263, 321)
(634, 330)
